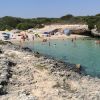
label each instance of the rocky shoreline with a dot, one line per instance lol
(28, 76)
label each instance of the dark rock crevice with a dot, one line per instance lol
(5, 74)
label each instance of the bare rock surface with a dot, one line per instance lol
(26, 77)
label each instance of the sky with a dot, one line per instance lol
(48, 8)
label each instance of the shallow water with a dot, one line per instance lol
(84, 52)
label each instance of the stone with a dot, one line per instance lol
(1, 51)
(11, 63)
(37, 54)
(82, 32)
(78, 66)
(27, 49)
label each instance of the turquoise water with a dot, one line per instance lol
(84, 52)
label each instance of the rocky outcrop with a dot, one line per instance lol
(27, 77)
(82, 32)
(95, 33)
(5, 73)
(1, 51)
(26, 49)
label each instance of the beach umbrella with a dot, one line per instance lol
(66, 31)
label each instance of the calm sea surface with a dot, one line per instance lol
(84, 52)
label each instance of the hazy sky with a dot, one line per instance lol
(48, 8)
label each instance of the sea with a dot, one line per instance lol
(82, 51)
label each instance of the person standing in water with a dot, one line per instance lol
(33, 37)
(49, 43)
(72, 40)
(75, 38)
(49, 40)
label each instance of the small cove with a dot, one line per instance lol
(85, 52)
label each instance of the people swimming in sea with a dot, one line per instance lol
(55, 44)
(72, 40)
(97, 41)
(49, 43)
(75, 38)
(44, 40)
(75, 44)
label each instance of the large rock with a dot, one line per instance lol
(12, 53)
(5, 74)
(24, 96)
(1, 51)
(27, 49)
(2, 90)
(77, 68)
(82, 32)
(37, 54)
(10, 63)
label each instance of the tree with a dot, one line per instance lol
(4, 27)
(10, 21)
(24, 26)
(97, 15)
(66, 17)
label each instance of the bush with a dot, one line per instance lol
(90, 26)
(66, 17)
(98, 26)
(24, 26)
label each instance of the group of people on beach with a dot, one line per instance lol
(24, 37)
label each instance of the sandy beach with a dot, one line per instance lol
(51, 37)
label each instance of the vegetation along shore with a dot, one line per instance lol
(9, 22)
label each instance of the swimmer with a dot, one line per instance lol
(72, 40)
(49, 43)
(44, 40)
(33, 37)
(75, 38)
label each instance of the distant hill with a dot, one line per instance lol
(9, 22)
